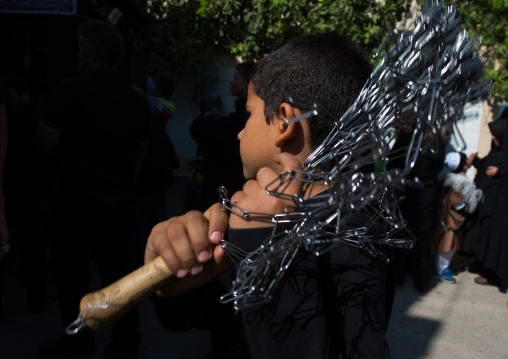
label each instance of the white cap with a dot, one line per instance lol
(452, 160)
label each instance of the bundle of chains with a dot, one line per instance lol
(426, 76)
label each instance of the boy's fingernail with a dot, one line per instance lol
(204, 256)
(181, 273)
(196, 269)
(216, 236)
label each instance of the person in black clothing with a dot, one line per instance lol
(489, 240)
(4, 232)
(25, 196)
(99, 126)
(154, 179)
(217, 141)
(419, 208)
(330, 306)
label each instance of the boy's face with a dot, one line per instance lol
(257, 139)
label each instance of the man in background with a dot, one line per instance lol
(99, 127)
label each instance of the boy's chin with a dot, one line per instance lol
(248, 178)
(248, 175)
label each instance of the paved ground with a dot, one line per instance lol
(452, 321)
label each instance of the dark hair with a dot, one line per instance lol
(105, 39)
(462, 163)
(244, 69)
(323, 68)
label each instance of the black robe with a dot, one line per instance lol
(490, 242)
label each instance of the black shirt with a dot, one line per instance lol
(333, 306)
(103, 120)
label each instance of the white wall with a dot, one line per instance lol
(470, 129)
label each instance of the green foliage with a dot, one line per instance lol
(259, 26)
(185, 34)
(488, 19)
(177, 43)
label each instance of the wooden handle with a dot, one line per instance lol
(123, 295)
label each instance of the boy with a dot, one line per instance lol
(329, 306)
(460, 198)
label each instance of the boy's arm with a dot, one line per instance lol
(189, 244)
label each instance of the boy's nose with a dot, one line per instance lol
(240, 134)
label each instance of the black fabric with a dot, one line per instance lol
(490, 238)
(25, 200)
(22, 164)
(498, 128)
(156, 172)
(218, 143)
(201, 309)
(80, 237)
(334, 306)
(485, 183)
(103, 119)
(419, 208)
(5, 94)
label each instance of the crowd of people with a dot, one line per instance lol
(91, 174)
(455, 220)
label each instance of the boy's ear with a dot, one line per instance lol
(287, 132)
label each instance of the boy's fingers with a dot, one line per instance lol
(218, 220)
(197, 226)
(291, 163)
(158, 244)
(181, 241)
(180, 256)
(288, 161)
(221, 258)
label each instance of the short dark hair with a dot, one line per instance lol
(462, 163)
(323, 68)
(105, 39)
(244, 69)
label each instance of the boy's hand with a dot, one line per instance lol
(189, 244)
(253, 196)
